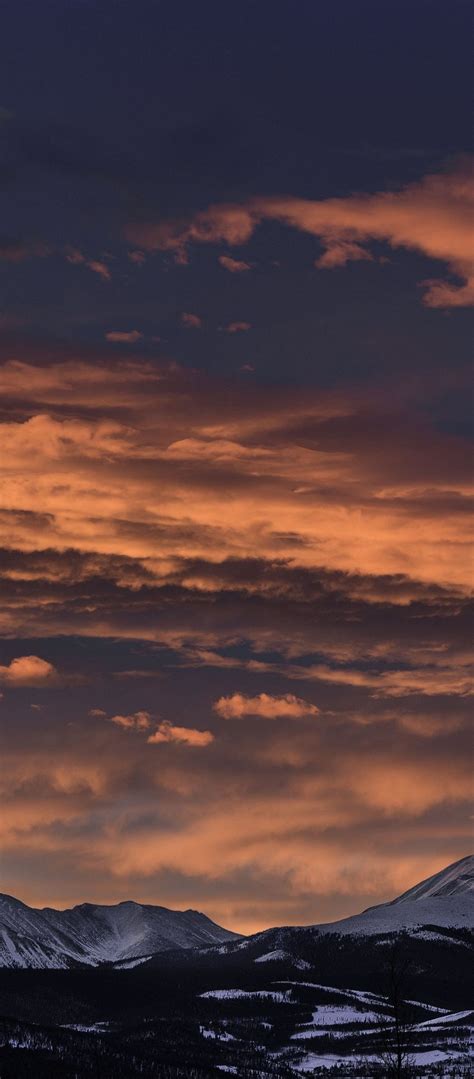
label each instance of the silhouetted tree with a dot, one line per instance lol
(396, 1056)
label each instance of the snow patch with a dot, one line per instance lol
(217, 1035)
(452, 1017)
(329, 1016)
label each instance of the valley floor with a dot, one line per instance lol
(174, 1023)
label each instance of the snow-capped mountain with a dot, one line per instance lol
(428, 911)
(92, 934)
(445, 900)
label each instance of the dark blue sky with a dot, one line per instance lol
(117, 112)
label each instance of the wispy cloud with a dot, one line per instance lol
(13, 249)
(124, 337)
(192, 322)
(234, 265)
(428, 216)
(238, 327)
(98, 266)
(138, 257)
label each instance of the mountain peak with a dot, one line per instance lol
(444, 899)
(454, 879)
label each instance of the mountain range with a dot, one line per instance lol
(91, 934)
(128, 933)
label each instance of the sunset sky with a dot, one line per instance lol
(235, 335)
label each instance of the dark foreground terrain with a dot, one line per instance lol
(308, 1005)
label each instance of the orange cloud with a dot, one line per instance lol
(410, 787)
(269, 831)
(192, 322)
(60, 438)
(76, 258)
(291, 811)
(126, 337)
(167, 732)
(264, 705)
(99, 268)
(238, 327)
(28, 671)
(88, 383)
(429, 216)
(234, 265)
(429, 681)
(430, 726)
(227, 223)
(340, 252)
(139, 721)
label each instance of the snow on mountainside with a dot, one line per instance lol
(92, 934)
(428, 911)
(456, 879)
(444, 900)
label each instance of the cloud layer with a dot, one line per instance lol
(262, 598)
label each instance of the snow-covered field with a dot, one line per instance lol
(423, 1060)
(353, 1028)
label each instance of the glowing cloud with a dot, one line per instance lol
(99, 268)
(264, 705)
(28, 671)
(167, 732)
(340, 252)
(139, 721)
(234, 265)
(124, 337)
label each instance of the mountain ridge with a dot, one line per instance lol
(91, 934)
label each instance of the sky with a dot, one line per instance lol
(235, 329)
